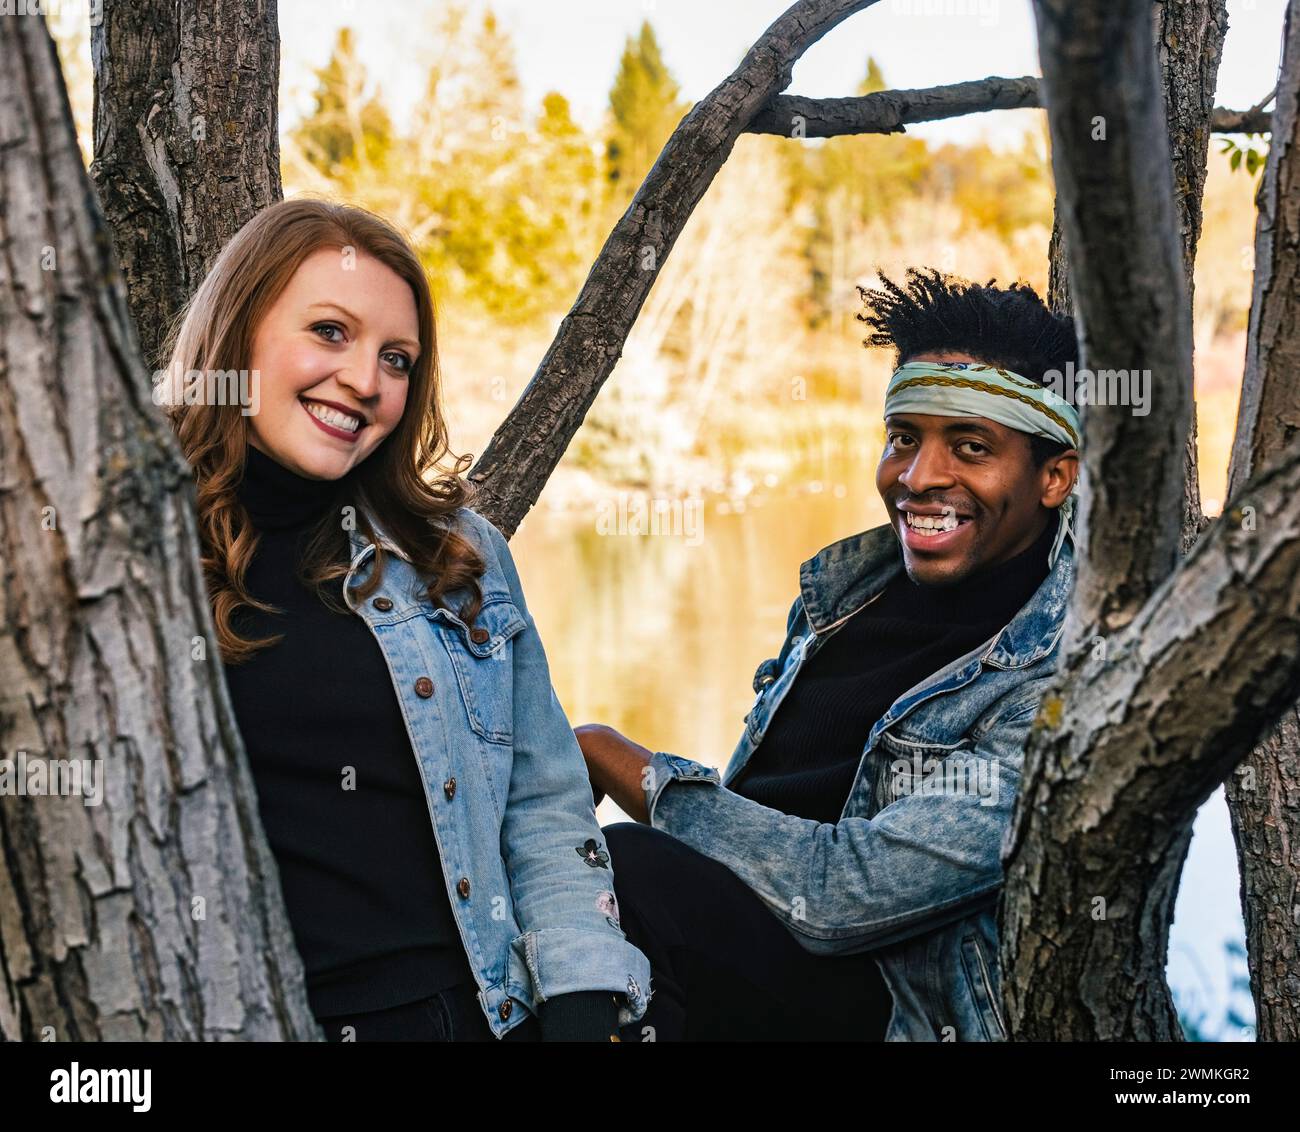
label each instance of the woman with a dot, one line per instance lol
(423, 794)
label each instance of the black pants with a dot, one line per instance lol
(724, 968)
(453, 1015)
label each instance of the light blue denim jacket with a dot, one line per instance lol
(911, 872)
(530, 883)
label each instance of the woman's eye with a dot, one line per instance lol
(399, 361)
(328, 326)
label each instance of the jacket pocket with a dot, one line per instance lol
(983, 993)
(482, 657)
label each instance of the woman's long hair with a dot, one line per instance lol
(403, 483)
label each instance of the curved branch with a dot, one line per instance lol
(523, 452)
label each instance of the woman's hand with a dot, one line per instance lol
(616, 766)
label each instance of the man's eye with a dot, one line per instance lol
(975, 444)
(328, 326)
(894, 437)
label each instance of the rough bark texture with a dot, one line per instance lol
(156, 914)
(1264, 796)
(524, 451)
(1121, 758)
(1100, 816)
(1128, 274)
(187, 146)
(891, 111)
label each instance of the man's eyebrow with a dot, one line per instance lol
(959, 424)
(344, 310)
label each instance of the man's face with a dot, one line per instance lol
(975, 470)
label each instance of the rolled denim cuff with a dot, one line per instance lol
(663, 769)
(559, 961)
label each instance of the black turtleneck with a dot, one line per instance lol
(338, 788)
(809, 756)
(337, 783)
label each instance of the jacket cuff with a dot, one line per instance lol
(560, 961)
(666, 769)
(584, 1016)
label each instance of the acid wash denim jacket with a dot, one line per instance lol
(911, 871)
(530, 883)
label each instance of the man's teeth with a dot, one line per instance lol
(931, 524)
(323, 413)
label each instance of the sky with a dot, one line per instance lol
(573, 46)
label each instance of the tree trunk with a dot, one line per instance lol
(155, 912)
(1102, 823)
(187, 146)
(1264, 795)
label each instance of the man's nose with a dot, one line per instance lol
(929, 468)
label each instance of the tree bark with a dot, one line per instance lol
(187, 146)
(1103, 978)
(892, 111)
(156, 913)
(524, 451)
(1123, 753)
(1264, 795)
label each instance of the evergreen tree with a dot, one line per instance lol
(645, 106)
(343, 130)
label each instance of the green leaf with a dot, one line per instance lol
(1236, 159)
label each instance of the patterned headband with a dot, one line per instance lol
(971, 389)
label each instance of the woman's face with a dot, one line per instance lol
(333, 357)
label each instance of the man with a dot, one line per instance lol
(840, 879)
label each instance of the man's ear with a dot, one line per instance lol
(1061, 472)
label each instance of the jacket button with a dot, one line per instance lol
(383, 604)
(424, 687)
(449, 788)
(503, 1011)
(478, 636)
(463, 887)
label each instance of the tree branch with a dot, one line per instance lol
(524, 451)
(892, 111)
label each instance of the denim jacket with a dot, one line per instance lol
(530, 883)
(912, 870)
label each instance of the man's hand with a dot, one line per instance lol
(615, 765)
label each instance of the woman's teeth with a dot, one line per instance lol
(333, 417)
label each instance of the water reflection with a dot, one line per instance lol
(659, 635)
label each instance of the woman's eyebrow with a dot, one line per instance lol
(344, 311)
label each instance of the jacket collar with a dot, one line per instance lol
(360, 544)
(843, 577)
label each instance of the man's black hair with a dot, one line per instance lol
(1010, 327)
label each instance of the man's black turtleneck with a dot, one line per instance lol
(338, 788)
(810, 753)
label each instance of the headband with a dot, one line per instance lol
(971, 389)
